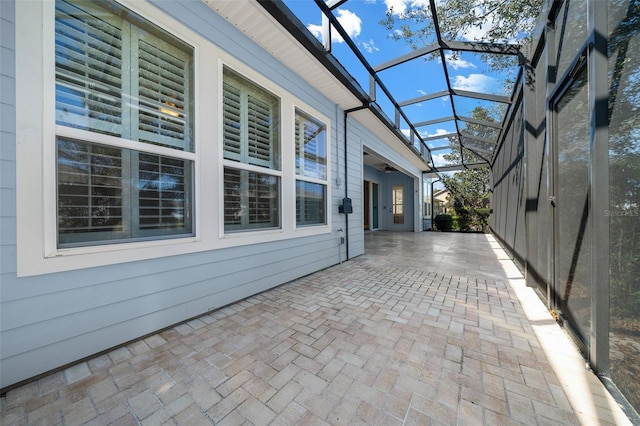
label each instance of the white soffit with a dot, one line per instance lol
(370, 121)
(254, 21)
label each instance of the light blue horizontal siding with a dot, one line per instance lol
(226, 273)
(354, 176)
(51, 320)
(7, 143)
(172, 298)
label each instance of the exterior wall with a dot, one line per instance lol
(7, 137)
(409, 175)
(354, 182)
(508, 198)
(372, 174)
(51, 320)
(386, 182)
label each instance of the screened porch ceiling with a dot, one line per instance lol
(436, 130)
(439, 126)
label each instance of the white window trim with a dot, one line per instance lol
(287, 172)
(36, 131)
(326, 182)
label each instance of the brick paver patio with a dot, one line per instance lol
(424, 329)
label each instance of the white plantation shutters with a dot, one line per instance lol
(163, 93)
(115, 78)
(311, 170)
(260, 141)
(131, 80)
(89, 68)
(232, 122)
(251, 123)
(251, 126)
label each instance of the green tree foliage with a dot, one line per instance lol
(469, 197)
(498, 21)
(480, 20)
(470, 188)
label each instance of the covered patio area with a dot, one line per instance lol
(425, 328)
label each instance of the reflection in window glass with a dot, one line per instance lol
(96, 51)
(118, 74)
(251, 200)
(311, 147)
(310, 203)
(107, 194)
(311, 170)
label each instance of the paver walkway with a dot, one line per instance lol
(424, 329)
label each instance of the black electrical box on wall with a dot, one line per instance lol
(346, 206)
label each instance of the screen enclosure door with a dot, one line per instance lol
(570, 203)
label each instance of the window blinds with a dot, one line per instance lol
(129, 79)
(115, 78)
(89, 64)
(251, 120)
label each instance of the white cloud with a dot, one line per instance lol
(490, 22)
(351, 23)
(398, 6)
(369, 46)
(316, 30)
(439, 132)
(439, 160)
(475, 83)
(458, 63)
(474, 33)
(401, 6)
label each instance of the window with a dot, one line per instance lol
(112, 167)
(398, 204)
(311, 170)
(310, 203)
(123, 104)
(252, 173)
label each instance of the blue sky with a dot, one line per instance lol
(361, 20)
